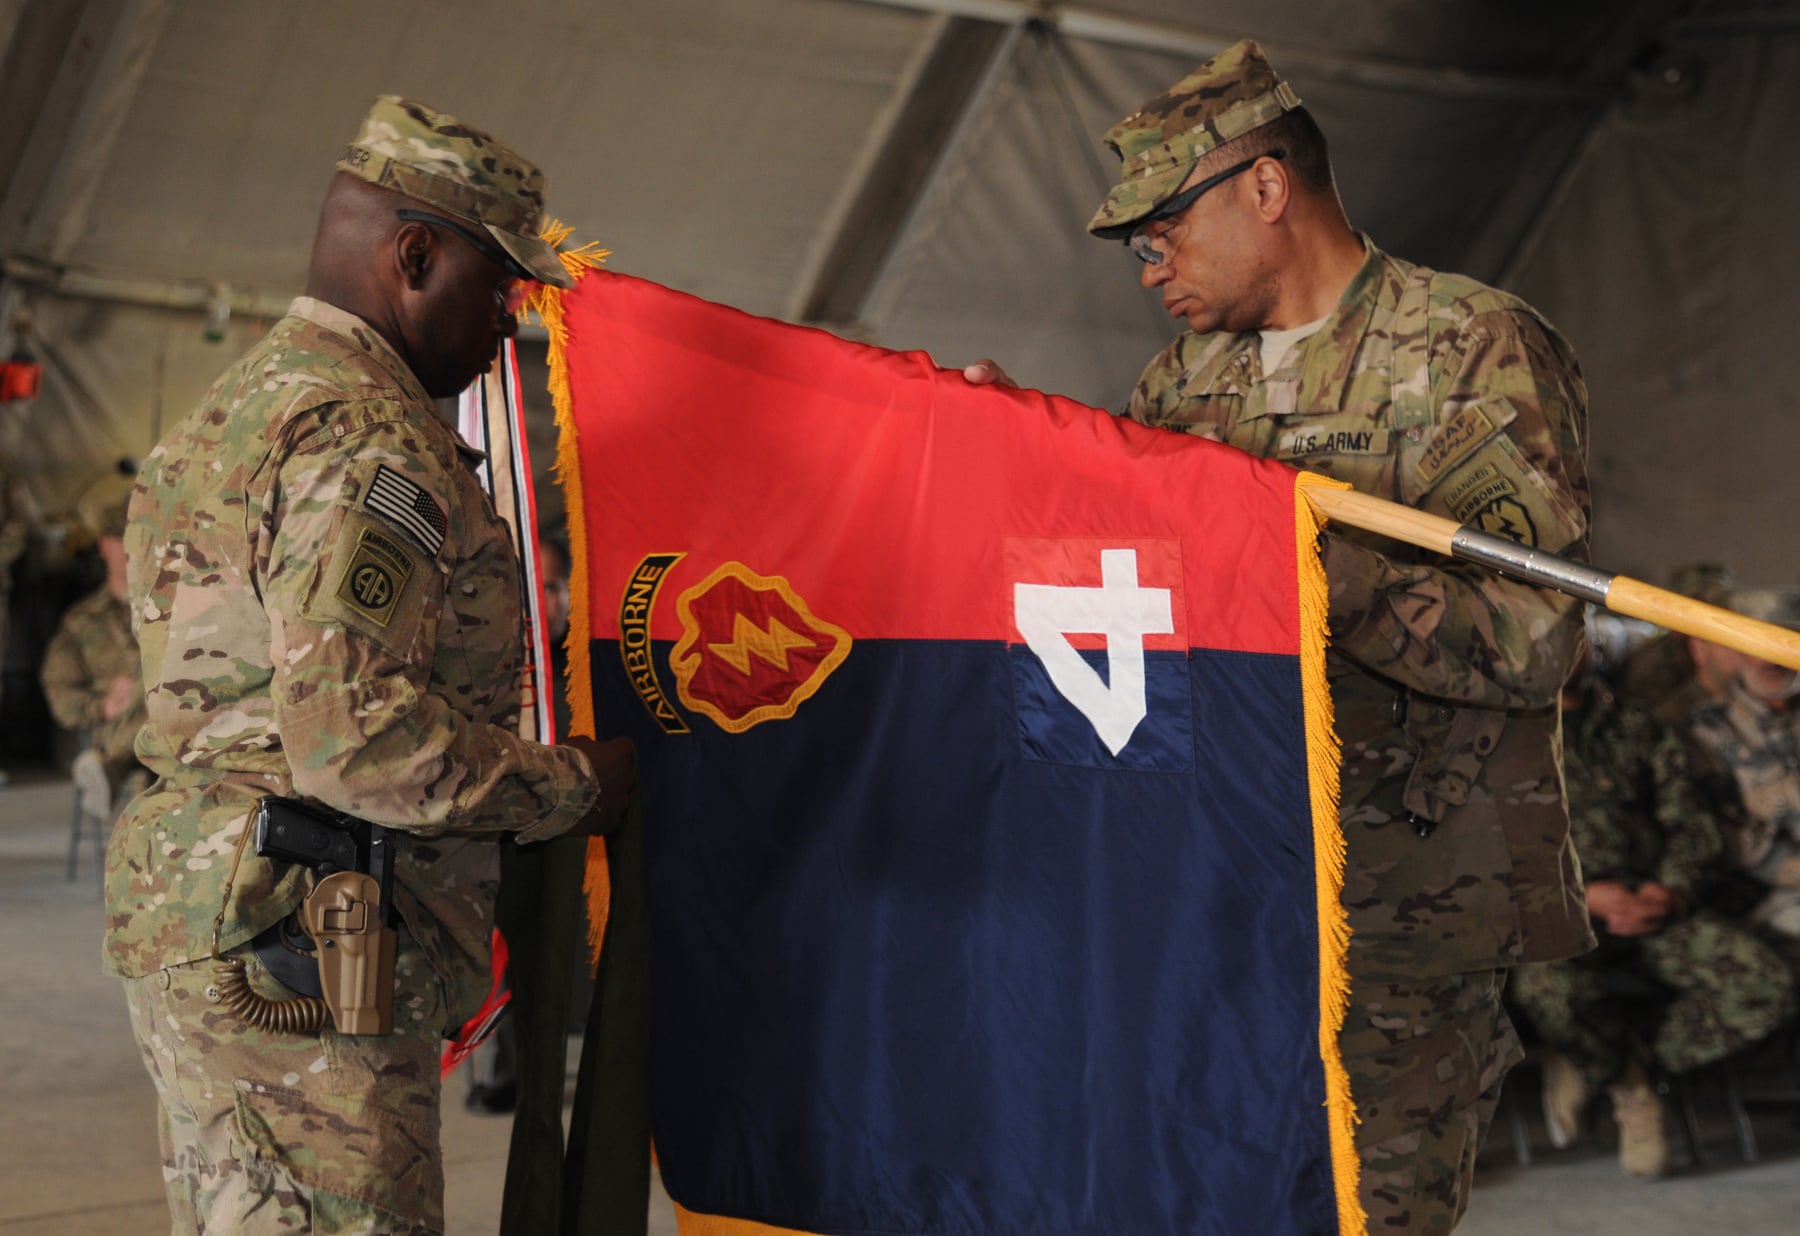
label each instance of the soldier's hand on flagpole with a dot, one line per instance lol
(615, 773)
(985, 372)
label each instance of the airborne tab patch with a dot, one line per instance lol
(395, 498)
(635, 647)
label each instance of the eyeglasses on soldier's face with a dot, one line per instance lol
(510, 295)
(1149, 248)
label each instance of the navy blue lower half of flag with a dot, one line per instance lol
(926, 962)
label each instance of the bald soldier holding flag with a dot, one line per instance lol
(1308, 344)
(329, 613)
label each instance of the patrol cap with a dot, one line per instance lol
(1228, 96)
(102, 507)
(1704, 581)
(1780, 606)
(424, 154)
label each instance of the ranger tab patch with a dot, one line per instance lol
(402, 502)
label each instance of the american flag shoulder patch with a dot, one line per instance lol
(406, 504)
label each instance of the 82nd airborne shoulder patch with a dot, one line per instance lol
(375, 577)
(371, 580)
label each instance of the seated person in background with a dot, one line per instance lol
(1673, 674)
(1747, 753)
(91, 675)
(1651, 854)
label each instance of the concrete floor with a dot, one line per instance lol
(78, 1152)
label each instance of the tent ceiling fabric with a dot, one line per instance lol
(737, 149)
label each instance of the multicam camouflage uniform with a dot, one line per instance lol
(1437, 392)
(1636, 818)
(327, 606)
(93, 646)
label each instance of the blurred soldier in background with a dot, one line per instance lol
(1673, 985)
(91, 674)
(1672, 674)
(1748, 752)
(14, 535)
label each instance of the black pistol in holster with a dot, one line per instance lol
(348, 922)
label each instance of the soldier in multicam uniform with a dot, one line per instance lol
(1747, 747)
(15, 535)
(1651, 854)
(328, 607)
(92, 676)
(1308, 344)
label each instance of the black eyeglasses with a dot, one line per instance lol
(510, 295)
(1144, 245)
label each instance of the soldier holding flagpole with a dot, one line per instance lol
(329, 611)
(1307, 343)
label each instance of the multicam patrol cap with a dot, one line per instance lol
(424, 154)
(1234, 92)
(1780, 606)
(1711, 582)
(102, 507)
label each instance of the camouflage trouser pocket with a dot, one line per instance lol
(1426, 1058)
(270, 1131)
(1420, 1181)
(344, 1164)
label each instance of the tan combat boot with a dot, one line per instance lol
(1643, 1139)
(1566, 1096)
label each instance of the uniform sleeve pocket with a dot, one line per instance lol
(376, 583)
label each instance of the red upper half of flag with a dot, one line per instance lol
(894, 498)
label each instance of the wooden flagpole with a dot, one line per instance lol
(1619, 593)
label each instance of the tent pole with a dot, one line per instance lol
(1102, 27)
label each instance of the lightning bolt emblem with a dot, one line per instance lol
(749, 640)
(734, 618)
(1507, 518)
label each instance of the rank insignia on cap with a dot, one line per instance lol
(751, 650)
(400, 501)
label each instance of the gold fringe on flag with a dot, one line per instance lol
(693, 1223)
(1323, 752)
(546, 302)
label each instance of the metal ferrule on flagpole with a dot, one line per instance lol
(1619, 593)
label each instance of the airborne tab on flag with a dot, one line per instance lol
(989, 785)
